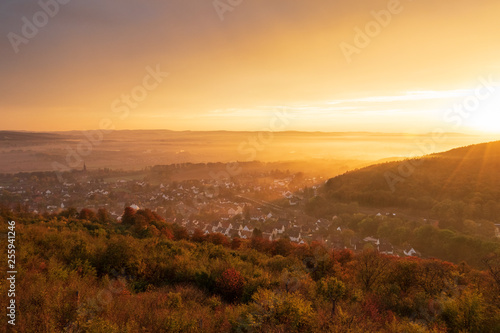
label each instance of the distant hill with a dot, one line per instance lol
(460, 183)
(27, 136)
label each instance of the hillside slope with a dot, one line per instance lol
(460, 183)
(78, 274)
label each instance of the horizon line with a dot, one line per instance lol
(247, 131)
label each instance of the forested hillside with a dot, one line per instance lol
(83, 273)
(460, 184)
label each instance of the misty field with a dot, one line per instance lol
(128, 150)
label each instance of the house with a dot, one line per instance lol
(246, 228)
(282, 224)
(245, 234)
(226, 225)
(386, 248)
(280, 230)
(412, 253)
(295, 235)
(305, 229)
(372, 240)
(233, 212)
(267, 235)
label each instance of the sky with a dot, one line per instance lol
(409, 66)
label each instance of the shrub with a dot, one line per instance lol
(279, 311)
(230, 285)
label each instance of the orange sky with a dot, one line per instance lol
(424, 69)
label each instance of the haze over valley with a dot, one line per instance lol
(331, 153)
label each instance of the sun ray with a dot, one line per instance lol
(481, 174)
(457, 169)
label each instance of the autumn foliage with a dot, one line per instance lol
(230, 284)
(100, 277)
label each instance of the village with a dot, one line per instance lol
(268, 205)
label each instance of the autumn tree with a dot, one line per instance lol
(403, 273)
(198, 236)
(434, 276)
(371, 268)
(282, 247)
(149, 215)
(465, 313)
(218, 239)
(128, 216)
(103, 216)
(180, 232)
(260, 244)
(86, 214)
(70, 212)
(236, 243)
(167, 232)
(279, 312)
(140, 223)
(320, 261)
(331, 289)
(230, 285)
(492, 262)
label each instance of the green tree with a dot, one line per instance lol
(331, 289)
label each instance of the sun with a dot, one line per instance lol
(486, 117)
(488, 122)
